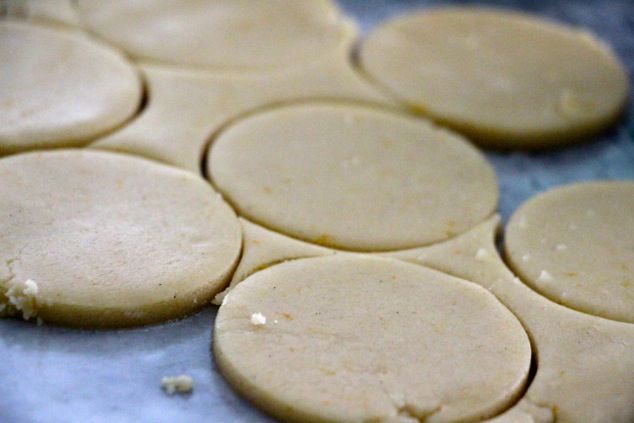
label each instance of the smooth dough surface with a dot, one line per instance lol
(60, 88)
(575, 245)
(505, 79)
(351, 177)
(48, 12)
(584, 370)
(369, 339)
(109, 240)
(231, 34)
(187, 106)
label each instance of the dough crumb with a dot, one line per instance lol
(182, 383)
(220, 298)
(544, 276)
(526, 257)
(561, 247)
(21, 298)
(482, 254)
(258, 319)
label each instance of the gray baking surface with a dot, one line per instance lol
(52, 374)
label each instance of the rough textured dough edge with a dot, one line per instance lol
(287, 412)
(135, 313)
(585, 369)
(594, 382)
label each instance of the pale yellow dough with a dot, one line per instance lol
(186, 107)
(242, 35)
(575, 245)
(49, 12)
(505, 79)
(60, 88)
(584, 367)
(97, 239)
(367, 339)
(350, 177)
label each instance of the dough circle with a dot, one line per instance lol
(369, 339)
(575, 245)
(111, 240)
(231, 34)
(505, 79)
(352, 177)
(60, 88)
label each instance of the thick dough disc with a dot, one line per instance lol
(505, 79)
(60, 88)
(112, 240)
(352, 177)
(575, 245)
(240, 34)
(369, 339)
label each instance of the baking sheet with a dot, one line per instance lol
(52, 374)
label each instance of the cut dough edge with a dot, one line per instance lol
(187, 107)
(596, 351)
(21, 296)
(252, 144)
(505, 137)
(86, 131)
(593, 207)
(404, 412)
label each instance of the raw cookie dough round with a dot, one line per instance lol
(242, 34)
(507, 80)
(369, 339)
(108, 240)
(575, 245)
(352, 177)
(60, 88)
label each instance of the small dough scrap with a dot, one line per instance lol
(177, 384)
(221, 34)
(109, 240)
(351, 177)
(60, 88)
(585, 365)
(506, 79)
(581, 242)
(186, 107)
(370, 339)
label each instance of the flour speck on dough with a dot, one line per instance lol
(258, 319)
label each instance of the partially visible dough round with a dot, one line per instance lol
(109, 240)
(352, 177)
(60, 88)
(575, 245)
(505, 79)
(337, 339)
(228, 34)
